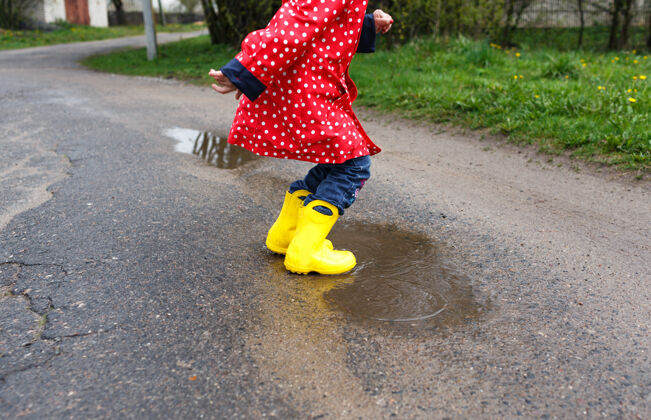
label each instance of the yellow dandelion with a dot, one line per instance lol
(601, 87)
(634, 61)
(632, 100)
(582, 60)
(634, 77)
(521, 77)
(634, 51)
(584, 65)
(630, 90)
(517, 54)
(616, 58)
(537, 96)
(645, 57)
(515, 77)
(642, 77)
(567, 76)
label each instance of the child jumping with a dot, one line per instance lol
(297, 105)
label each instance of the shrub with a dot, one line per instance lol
(13, 13)
(229, 21)
(442, 17)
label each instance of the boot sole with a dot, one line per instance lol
(276, 249)
(304, 271)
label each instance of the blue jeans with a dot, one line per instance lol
(337, 184)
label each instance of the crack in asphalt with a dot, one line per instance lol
(58, 338)
(43, 315)
(24, 264)
(5, 375)
(53, 340)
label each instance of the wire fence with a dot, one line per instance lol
(567, 13)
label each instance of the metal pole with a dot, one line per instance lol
(150, 30)
(162, 15)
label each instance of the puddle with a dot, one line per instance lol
(400, 277)
(209, 146)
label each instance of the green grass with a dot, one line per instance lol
(66, 33)
(596, 106)
(190, 60)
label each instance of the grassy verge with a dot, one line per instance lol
(190, 60)
(66, 33)
(596, 106)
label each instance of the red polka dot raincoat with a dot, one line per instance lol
(302, 58)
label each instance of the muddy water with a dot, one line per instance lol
(211, 147)
(401, 277)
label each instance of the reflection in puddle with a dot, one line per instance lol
(209, 146)
(400, 277)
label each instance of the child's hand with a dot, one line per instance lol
(223, 85)
(383, 21)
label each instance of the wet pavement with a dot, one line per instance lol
(134, 281)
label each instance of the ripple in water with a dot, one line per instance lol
(209, 146)
(400, 277)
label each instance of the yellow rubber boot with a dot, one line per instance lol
(282, 231)
(309, 250)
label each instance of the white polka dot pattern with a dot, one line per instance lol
(302, 57)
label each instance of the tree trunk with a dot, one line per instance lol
(582, 18)
(614, 25)
(520, 11)
(235, 21)
(447, 19)
(506, 34)
(648, 39)
(457, 18)
(437, 23)
(10, 15)
(161, 13)
(119, 12)
(210, 14)
(626, 24)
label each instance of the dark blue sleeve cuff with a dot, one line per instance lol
(243, 79)
(367, 39)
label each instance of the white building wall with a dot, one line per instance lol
(133, 5)
(36, 12)
(98, 13)
(54, 10)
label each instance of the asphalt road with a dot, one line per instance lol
(135, 284)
